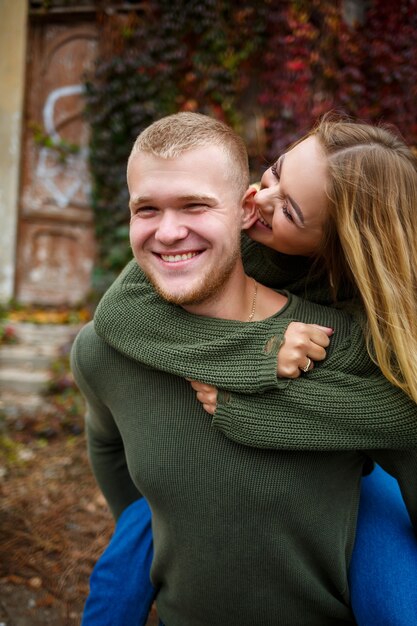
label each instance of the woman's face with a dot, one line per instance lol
(292, 202)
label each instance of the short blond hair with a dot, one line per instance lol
(170, 136)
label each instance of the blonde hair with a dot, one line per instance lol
(371, 237)
(170, 136)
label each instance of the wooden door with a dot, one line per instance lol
(55, 249)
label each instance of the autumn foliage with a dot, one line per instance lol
(315, 61)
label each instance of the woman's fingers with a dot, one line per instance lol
(319, 334)
(206, 394)
(315, 352)
(319, 337)
(210, 408)
(197, 386)
(303, 344)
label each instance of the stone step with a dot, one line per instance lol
(44, 334)
(28, 357)
(25, 366)
(14, 405)
(24, 381)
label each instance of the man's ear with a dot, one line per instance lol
(250, 214)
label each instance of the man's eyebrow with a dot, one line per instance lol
(135, 200)
(197, 198)
(204, 199)
(294, 204)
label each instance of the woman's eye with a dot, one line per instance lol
(287, 213)
(274, 170)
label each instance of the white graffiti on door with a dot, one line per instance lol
(65, 181)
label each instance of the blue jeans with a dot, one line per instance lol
(382, 573)
(121, 593)
(383, 569)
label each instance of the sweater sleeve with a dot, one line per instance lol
(240, 357)
(237, 356)
(105, 445)
(329, 411)
(344, 403)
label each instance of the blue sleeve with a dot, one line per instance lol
(383, 569)
(121, 593)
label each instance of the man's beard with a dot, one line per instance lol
(210, 285)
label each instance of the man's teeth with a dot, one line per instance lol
(174, 258)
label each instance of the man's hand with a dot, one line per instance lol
(303, 344)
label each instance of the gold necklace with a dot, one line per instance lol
(255, 293)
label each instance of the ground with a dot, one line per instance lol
(54, 523)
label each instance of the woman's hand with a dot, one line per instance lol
(303, 344)
(206, 394)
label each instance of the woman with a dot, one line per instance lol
(360, 246)
(366, 239)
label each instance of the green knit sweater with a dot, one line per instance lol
(242, 535)
(344, 403)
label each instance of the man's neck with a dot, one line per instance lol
(241, 299)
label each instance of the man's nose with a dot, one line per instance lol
(171, 228)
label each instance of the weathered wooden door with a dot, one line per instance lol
(55, 250)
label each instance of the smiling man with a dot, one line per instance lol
(189, 201)
(186, 221)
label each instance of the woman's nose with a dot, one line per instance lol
(263, 200)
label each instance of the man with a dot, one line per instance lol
(242, 535)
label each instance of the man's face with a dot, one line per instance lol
(185, 224)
